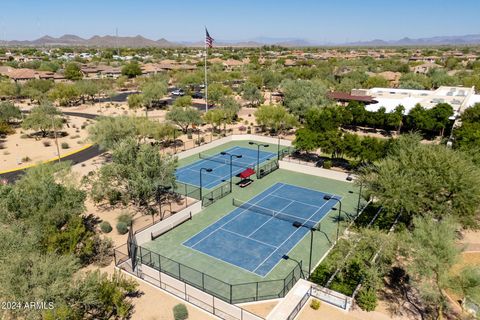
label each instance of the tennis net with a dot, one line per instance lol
(244, 163)
(276, 214)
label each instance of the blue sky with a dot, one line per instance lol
(317, 21)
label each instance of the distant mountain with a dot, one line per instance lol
(140, 41)
(95, 41)
(471, 39)
(283, 41)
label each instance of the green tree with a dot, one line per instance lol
(252, 94)
(72, 71)
(274, 117)
(306, 140)
(230, 107)
(151, 91)
(9, 112)
(37, 89)
(135, 101)
(425, 180)
(135, 173)
(109, 131)
(301, 95)
(131, 70)
(467, 282)
(376, 82)
(215, 118)
(64, 93)
(184, 117)
(87, 88)
(43, 118)
(9, 89)
(441, 114)
(217, 91)
(467, 136)
(431, 251)
(183, 102)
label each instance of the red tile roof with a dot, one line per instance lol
(344, 96)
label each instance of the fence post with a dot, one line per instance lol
(203, 281)
(231, 302)
(256, 293)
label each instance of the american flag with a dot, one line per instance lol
(208, 40)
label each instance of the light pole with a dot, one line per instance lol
(312, 229)
(206, 170)
(224, 126)
(259, 145)
(278, 148)
(330, 197)
(56, 138)
(238, 156)
(279, 131)
(299, 263)
(174, 141)
(349, 178)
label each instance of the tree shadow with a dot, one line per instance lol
(403, 300)
(91, 221)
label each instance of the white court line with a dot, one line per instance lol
(288, 238)
(307, 204)
(241, 235)
(225, 222)
(271, 217)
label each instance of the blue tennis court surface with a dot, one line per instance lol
(190, 174)
(250, 238)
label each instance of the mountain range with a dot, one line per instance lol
(140, 41)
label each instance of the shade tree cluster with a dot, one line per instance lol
(46, 238)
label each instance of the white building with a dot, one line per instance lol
(459, 98)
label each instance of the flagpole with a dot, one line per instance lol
(206, 83)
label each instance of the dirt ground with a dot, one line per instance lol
(259, 308)
(327, 311)
(18, 147)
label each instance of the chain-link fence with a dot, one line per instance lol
(231, 293)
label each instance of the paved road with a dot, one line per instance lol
(78, 157)
(123, 96)
(75, 158)
(81, 156)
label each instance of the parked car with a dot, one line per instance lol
(178, 92)
(197, 95)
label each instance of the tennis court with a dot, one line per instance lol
(256, 234)
(220, 165)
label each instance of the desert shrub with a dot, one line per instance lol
(315, 304)
(24, 136)
(125, 217)
(5, 128)
(47, 143)
(180, 312)
(327, 164)
(65, 145)
(106, 227)
(26, 159)
(122, 227)
(114, 197)
(2, 146)
(103, 251)
(367, 299)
